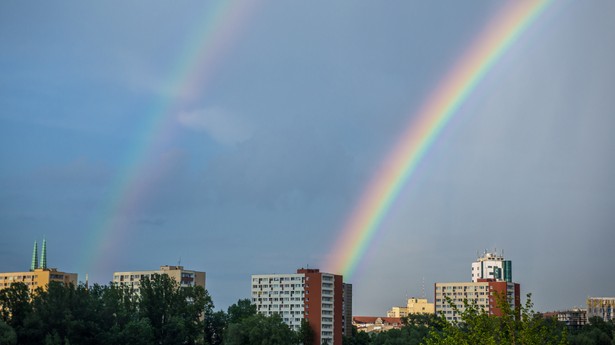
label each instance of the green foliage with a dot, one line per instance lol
(163, 313)
(240, 310)
(306, 333)
(215, 324)
(516, 326)
(262, 330)
(597, 331)
(7, 334)
(356, 338)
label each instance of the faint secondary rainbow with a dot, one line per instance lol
(202, 52)
(424, 129)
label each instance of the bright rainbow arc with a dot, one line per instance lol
(193, 70)
(424, 129)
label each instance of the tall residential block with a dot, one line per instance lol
(178, 273)
(320, 298)
(491, 276)
(482, 294)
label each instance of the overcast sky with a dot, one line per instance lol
(126, 150)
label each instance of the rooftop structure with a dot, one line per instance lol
(492, 265)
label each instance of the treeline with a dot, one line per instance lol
(164, 313)
(475, 327)
(161, 313)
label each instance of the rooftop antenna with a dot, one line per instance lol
(179, 261)
(423, 287)
(43, 263)
(34, 266)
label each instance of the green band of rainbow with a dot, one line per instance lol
(436, 112)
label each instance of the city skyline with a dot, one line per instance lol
(239, 139)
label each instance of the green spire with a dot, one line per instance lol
(34, 257)
(43, 263)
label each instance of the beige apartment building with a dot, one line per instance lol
(184, 277)
(414, 306)
(39, 275)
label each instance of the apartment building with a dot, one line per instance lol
(321, 298)
(183, 276)
(491, 276)
(414, 306)
(482, 294)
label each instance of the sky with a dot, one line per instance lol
(237, 139)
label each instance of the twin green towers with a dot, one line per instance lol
(35, 262)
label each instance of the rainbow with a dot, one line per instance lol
(202, 52)
(423, 130)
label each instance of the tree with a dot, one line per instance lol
(356, 338)
(597, 331)
(260, 329)
(241, 310)
(215, 324)
(7, 334)
(15, 305)
(174, 312)
(515, 326)
(306, 333)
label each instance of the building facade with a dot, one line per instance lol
(39, 277)
(491, 276)
(414, 306)
(482, 294)
(574, 318)
(602, 307)
(184, 277)
(492, 266)
(376, 324)
(320, 298)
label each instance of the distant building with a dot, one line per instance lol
(397, 312)
(184, 277)
(39, 275)
(321, 298)
(413, 306)
(376, 324)
(491, 276)
(574, 318)
(602, 307)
